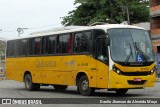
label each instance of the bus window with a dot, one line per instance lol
(31, 46)
(69, 48)
(51, 44)
(24, 47)
(44, 45)
(37, 49)
(10, 48)
(63, 43)
(102, 53)
(18, 47)
(82, 42)
(15, 47)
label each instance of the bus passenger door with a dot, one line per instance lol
(102, 63)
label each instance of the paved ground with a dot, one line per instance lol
(14, 89)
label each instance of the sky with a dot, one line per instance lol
(36, 15)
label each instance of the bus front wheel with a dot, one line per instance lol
(29, 85)
(121, 91)
(83, 86)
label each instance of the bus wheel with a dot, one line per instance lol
(29, 85)
(60, 87)
(121, 91)
(83, 86)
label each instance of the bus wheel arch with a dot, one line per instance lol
(79, 76)
(82, 83)
(29, 85)
(26, 72)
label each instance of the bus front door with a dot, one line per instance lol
(102, 63)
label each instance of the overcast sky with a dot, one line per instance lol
(36, 15)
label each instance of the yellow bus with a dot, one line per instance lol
(110, 56)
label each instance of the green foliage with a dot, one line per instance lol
(90, 11)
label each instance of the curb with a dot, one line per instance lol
(2, 78)
(157, 79)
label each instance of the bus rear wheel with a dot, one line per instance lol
(83, 86)
(29, 85)
(121, 91)
(60, 87)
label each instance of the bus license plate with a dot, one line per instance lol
(137, 79)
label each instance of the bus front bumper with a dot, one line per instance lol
(120, 81)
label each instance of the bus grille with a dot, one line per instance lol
(136, 82)
(136, 73)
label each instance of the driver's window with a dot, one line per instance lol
(102, 51)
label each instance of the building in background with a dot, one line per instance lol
(155, 24)
(155, 31)
(2, 57)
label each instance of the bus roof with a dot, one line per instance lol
(69, 29)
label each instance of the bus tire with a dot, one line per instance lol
(83, 86)
(121, 91)
(60, 87)
(29, 85)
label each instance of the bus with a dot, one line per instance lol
(110, 56)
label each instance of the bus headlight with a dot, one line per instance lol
(115, 69)
(152, 71)
(118, 72)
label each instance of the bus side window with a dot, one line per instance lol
(24, 47)
(69, 47)
(82, 42)
(63, 45)
(51, 43)
(102, 53)
(44, 45)
(16, 48)
(37, 45)
(31, 46)
(10, 48)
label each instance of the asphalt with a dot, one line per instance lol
(157, 79)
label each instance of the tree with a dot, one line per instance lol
(90, 11)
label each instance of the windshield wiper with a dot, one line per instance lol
(146, 57)
(128, 57)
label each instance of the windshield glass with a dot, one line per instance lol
(130, 45)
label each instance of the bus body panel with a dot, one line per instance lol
(57, 69)
(64, 71)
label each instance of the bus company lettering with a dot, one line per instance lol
(43, 63)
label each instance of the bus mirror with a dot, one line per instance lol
(107, 39)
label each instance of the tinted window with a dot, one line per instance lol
(24, 47)
(82, 42)
(17, 46)
(37, 49)
(64, 43)
(31, 46)
(102, 53)
(44, 45)
(10, 48)
(13, 48)
(51, 44)
(48, 45)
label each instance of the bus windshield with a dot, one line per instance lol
(130, 45)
